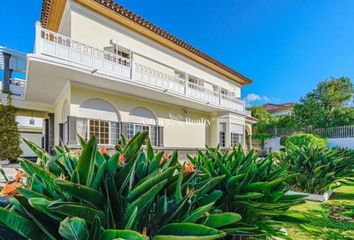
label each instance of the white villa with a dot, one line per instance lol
(99, 69)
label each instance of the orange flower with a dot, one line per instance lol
(144, 232)
(62, 176)
(20, 175)
(10, 189)
(102, 150)
(188, 167)
(165, 157)
(122, 159)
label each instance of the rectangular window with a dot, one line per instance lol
(237, 134)
(222, 135)
(195, 81)
(134, 128)
(236, 139)
(106, 132)
(179, 74)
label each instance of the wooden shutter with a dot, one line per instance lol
(160, 137)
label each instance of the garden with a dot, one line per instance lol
(139, 193)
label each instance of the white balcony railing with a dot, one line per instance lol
(59, 46)
(150, 76)
(17, 86)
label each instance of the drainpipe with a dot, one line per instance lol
(7, 73)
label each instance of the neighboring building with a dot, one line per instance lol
(284, 109)
(99, 69)
(349, 103)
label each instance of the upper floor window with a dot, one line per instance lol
(118, 50)
(196, 81)
(179, 74)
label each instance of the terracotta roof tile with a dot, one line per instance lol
(138, 19)
(272, 106)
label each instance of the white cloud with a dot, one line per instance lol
(252, 97)
(255, 99)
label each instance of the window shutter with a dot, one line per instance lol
(160, 135)
(73, 131)
(124, 129)
(61, 133)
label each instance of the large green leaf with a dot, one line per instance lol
(41, 204)
(31, 168)
(132, 219)
(44, 222)
(155, 162)
(198, 213)
(95, 232)
(77, 210)
(21, 225)
(135, 144)
(188, 231)
(221, 219)
(86, 164)
(82, 192)
(40, 153)
(122, 234)
(149, 182)
(73, 229)
(144, 199)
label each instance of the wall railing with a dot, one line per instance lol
(60, 46)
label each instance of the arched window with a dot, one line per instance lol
(142, 119)
(98, 118)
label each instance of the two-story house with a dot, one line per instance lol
(100, 69)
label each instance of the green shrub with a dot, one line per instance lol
(96, 196)
(317, 168)
(305, 139)
(9, 135)
(252, 186)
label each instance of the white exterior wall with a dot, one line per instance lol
(273, 144)
(92, 29)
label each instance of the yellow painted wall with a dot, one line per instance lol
(64, 97)
(177, 131)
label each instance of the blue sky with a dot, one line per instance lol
(285, 46)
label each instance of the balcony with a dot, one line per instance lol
(17, 87)
(64, 48)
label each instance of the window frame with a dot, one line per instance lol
(86, 126)
(133, 128)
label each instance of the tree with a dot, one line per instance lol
(264, 126)
(323, 107)
(9, 135)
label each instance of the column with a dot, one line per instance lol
(7, 72)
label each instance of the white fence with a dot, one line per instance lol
(342, 136)
(332, 132)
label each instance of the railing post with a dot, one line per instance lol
(132, 68)
(38, 40)
(185, 84)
